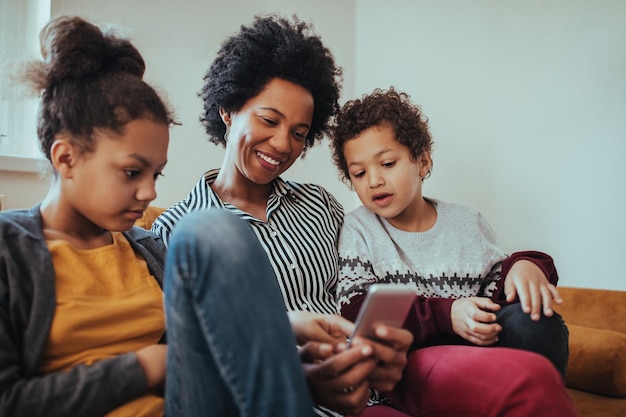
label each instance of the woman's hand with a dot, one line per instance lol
(528, 282)
(338, 378)
(390, 349)
(316, 327)
(473, 320)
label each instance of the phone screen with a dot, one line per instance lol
(384, 304)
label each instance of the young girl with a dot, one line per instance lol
(81, 304)
(466, 284)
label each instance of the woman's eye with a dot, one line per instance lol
(131, 173)
(270, 122)
(157, 175)
(300, 135)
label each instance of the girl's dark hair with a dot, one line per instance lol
(89, 80)
(380, 108)
(271, 47)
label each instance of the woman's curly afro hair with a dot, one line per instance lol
(271, 47)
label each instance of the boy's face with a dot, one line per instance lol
(387, 180)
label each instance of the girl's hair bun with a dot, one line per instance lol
(74, 48)
(88, 79)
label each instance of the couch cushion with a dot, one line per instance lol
(594, 405)
(593, 308)
(597, 361)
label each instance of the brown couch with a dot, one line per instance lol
(596, 374)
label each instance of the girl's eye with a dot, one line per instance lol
(389, 164)
(358, 174)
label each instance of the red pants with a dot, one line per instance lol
(467, 381)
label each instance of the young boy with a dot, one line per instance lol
(469, 290)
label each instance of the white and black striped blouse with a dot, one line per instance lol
(300, 237)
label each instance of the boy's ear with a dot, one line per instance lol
(63, 155)
(426, 164)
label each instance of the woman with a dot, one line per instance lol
(268, 96)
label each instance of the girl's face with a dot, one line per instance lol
(267, 134)
(112, 186)
(387, 180)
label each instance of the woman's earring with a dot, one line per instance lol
(226, 133)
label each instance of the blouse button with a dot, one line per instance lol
(292, 266)
(274, 233)
(304, 306)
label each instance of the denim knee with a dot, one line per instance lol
(213, 225)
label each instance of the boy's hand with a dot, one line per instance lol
(473, 320)
(528, 282)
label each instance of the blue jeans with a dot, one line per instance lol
(548, 336)
(231, 350)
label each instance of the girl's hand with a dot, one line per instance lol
(473, 320)
(152, 361)
(528, 282)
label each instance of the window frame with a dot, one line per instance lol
(19, 41)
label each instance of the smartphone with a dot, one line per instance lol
(384, 304)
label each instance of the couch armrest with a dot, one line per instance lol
(149, 216)
(597, 361)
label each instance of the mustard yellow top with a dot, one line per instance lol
(108, 304)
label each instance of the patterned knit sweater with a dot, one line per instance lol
(458, 257)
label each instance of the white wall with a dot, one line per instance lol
(526, 102)
(527, 105)
(178, 40)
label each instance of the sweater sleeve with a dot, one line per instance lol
(80, 391)
(427, 319)
(542, 260)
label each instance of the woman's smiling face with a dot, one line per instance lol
(266, 136)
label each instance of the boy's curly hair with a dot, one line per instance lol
(381, 107)
(271, 47)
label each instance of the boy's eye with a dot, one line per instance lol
(389, 164)
(358, 174)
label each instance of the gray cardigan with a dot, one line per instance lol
(27, 304)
